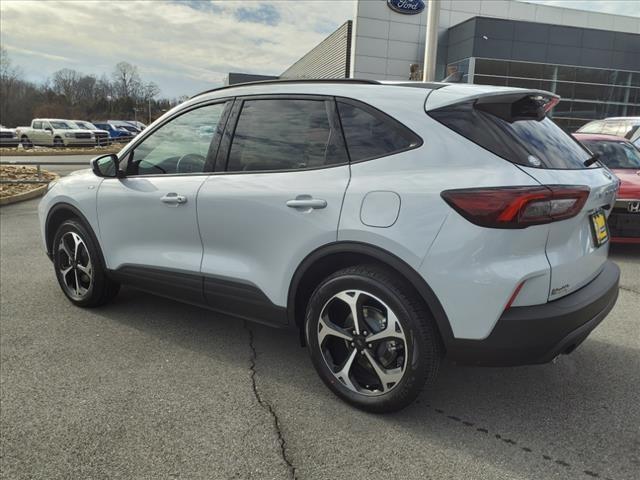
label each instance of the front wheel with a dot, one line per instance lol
(79, 268)
(58, 142)
(371, 339)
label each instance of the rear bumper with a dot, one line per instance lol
(537, 334)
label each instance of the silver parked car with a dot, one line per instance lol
(391, 224)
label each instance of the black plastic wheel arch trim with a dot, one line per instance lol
(377, 253)
(76, 213)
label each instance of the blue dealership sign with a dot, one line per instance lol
(406, 7)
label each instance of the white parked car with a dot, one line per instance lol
(392, 224)
(53, 132)
(620, 126)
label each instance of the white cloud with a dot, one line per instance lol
(184, 49)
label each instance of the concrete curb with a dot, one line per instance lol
(21, 197)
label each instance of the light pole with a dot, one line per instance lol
(150, 92)
(431, 41)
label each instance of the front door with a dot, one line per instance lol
(147, 220)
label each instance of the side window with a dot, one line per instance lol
(372, 134)
(37, 125)
(180, 146)
(286, 134)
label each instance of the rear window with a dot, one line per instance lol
(613, 154)
(530, 142)
(370, 133)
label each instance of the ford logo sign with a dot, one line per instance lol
(406, 7)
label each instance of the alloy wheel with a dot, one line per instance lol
(362, 342)
(75, 266)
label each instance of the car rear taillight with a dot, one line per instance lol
(517, 207)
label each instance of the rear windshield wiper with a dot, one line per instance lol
(591, 160)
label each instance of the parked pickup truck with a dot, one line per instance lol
(53, 132)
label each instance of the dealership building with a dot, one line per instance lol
(592, 60)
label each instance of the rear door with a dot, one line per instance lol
(514, 126)
(276, 196)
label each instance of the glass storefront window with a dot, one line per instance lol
(526, 70)
(593, 75)
(523, 83)
(587, 93)
(564, 89)
(491, 67)
(566, 74)
(485, 80)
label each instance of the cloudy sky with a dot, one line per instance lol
(183, 46)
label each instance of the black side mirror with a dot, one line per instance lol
(49, 129)
(107, 166)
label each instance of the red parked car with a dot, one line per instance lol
(623, 158)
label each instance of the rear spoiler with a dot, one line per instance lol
(517, 106)
(505, 102)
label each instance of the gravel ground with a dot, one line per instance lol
(21, 172)
(148, 388)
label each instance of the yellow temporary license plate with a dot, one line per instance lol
(599, 228)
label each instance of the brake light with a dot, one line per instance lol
(517, 207)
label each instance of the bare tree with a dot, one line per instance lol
(10, 78)
(66, 82)
(126, 80)
(69, 93)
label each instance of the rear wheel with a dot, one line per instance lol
(26, 143)
(78, 266)
(371, 339)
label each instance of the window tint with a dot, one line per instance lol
(371, 134)
(532, 143)
(180, 146)
(37, 125)
(285, 134)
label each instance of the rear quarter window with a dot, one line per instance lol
(371, 134)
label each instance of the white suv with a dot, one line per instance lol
(392, 224)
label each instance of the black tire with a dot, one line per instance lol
(100, 288)
(422, 345)
(58, 143)
(26, 143)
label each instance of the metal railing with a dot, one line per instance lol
(38, 170)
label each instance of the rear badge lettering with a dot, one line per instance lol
(559, 290)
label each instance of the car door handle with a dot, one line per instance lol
(173, 199)
(305, 202)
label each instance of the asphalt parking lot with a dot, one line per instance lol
(147, 388)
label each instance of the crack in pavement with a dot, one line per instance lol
(513, 443)
(627, 289)
(267, 407)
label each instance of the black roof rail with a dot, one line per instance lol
(301, 80)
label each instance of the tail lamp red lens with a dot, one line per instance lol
(517, 207)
